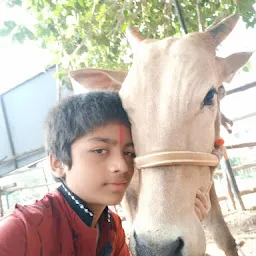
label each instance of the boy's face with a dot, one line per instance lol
(102, 164)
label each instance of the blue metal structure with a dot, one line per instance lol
(22, 113)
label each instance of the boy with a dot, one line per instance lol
(90, 148)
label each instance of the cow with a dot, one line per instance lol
(171, 94)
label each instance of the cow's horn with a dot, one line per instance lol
(133, 36)
(223, 29)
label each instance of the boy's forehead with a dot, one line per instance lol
(121, 133)
(115, 132)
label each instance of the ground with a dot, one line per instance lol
(243, 227)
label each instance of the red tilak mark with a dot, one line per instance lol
(121, 134)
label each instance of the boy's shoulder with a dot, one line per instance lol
(37, 225)
(34, 213)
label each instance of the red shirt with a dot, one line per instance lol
(50, 227)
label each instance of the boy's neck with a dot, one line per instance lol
(97, 211)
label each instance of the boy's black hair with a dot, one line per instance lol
(77, 116)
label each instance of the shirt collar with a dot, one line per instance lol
(80, 207)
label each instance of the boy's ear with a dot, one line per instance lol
(57, 167)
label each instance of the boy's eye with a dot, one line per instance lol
(132, 154)
(100, 151)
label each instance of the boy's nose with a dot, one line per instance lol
(118, 164)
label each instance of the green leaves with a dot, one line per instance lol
(19, 33)
(23, 34)
(90, 33)
(9, 26)
(12, 3)
(247, 67)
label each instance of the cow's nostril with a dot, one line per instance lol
(180, 244)
(144, 247)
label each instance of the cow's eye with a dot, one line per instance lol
(208, 100)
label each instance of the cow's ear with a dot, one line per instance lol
(229, 65)
(94, 79)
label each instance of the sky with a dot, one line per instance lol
(241, 39)
(20, 62)
(242, 103)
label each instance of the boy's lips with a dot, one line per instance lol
(120, 180)
(117, 185)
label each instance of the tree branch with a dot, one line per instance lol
(180, 17)
(199, 16)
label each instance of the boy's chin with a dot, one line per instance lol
(114, 201)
